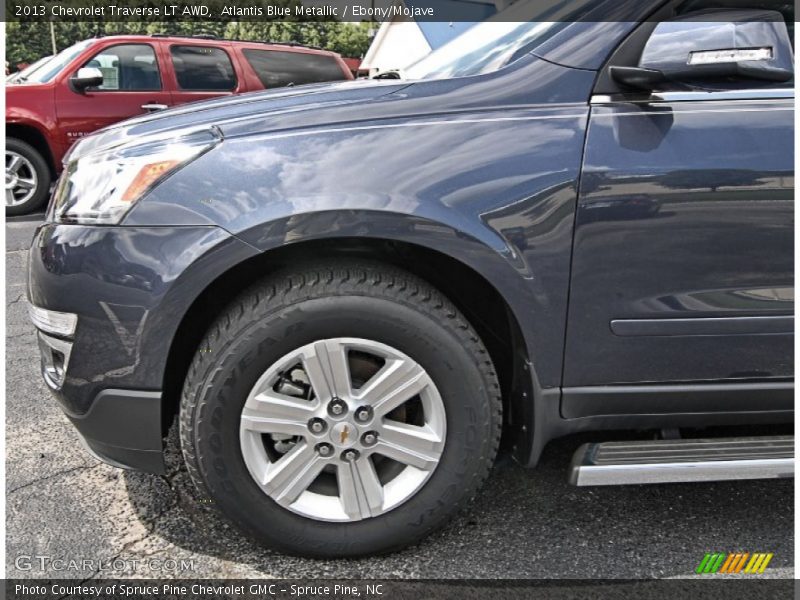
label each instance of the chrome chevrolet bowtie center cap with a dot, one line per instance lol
(344, 434)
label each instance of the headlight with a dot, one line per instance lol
(99, 188)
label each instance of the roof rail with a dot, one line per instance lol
(197, 36)
(292, 44)
(211, 36)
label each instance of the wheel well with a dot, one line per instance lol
(482, 304)
(35, 138)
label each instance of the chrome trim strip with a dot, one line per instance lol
(668, 97)
(683, 460)
(679, 472)
(52, 374)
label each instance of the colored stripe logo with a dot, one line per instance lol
(734, 562)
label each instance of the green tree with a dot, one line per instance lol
(350, 39)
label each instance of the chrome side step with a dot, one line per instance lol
(672, 461)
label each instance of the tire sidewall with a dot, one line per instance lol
(234, 369)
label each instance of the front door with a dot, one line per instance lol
(682, 268)
(132, 85)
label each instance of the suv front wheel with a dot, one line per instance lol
(340, 410)
(27, 178)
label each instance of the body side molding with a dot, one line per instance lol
(652, 399)
(704, 326)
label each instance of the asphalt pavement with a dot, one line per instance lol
(99, 521)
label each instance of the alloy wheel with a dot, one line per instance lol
(343, 429)
(21, 179)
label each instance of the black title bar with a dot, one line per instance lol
(342, 10)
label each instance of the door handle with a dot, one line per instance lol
(152, 106)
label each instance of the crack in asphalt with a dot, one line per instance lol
(16, 300)
(80, 583)
(52, 476)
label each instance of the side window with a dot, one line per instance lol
(203, 69)
(277, 69)
(127, 68)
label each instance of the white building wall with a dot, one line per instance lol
(398, 44)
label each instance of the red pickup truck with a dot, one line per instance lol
(100, 81)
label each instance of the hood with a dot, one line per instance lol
(255, 112)
(16, 91)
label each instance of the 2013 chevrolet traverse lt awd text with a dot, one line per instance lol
(346, 294)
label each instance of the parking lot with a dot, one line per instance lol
(63, 504)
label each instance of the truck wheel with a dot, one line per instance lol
(340, 410)
(27, 178)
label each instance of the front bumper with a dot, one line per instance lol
(130, 288)
(123, 429)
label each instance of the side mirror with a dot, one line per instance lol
(713, 45)
(85, 78)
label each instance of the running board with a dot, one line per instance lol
(672, 461)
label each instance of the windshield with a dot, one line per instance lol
(54, 66)
(484, 48)
(511, 33)
(29, 70)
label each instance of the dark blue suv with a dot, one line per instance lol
(347, 295)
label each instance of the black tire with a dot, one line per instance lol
(339, 299)
(43, 177)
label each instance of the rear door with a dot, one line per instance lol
(132, 82)
(279, 68)
(683, 253)
(201, 72)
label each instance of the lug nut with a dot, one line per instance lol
(363, 414)
(350, 455)
(369, 438)
(337, 407)
(317, 425)
(324, 449)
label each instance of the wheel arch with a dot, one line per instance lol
(484, 305)
(32, 135)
